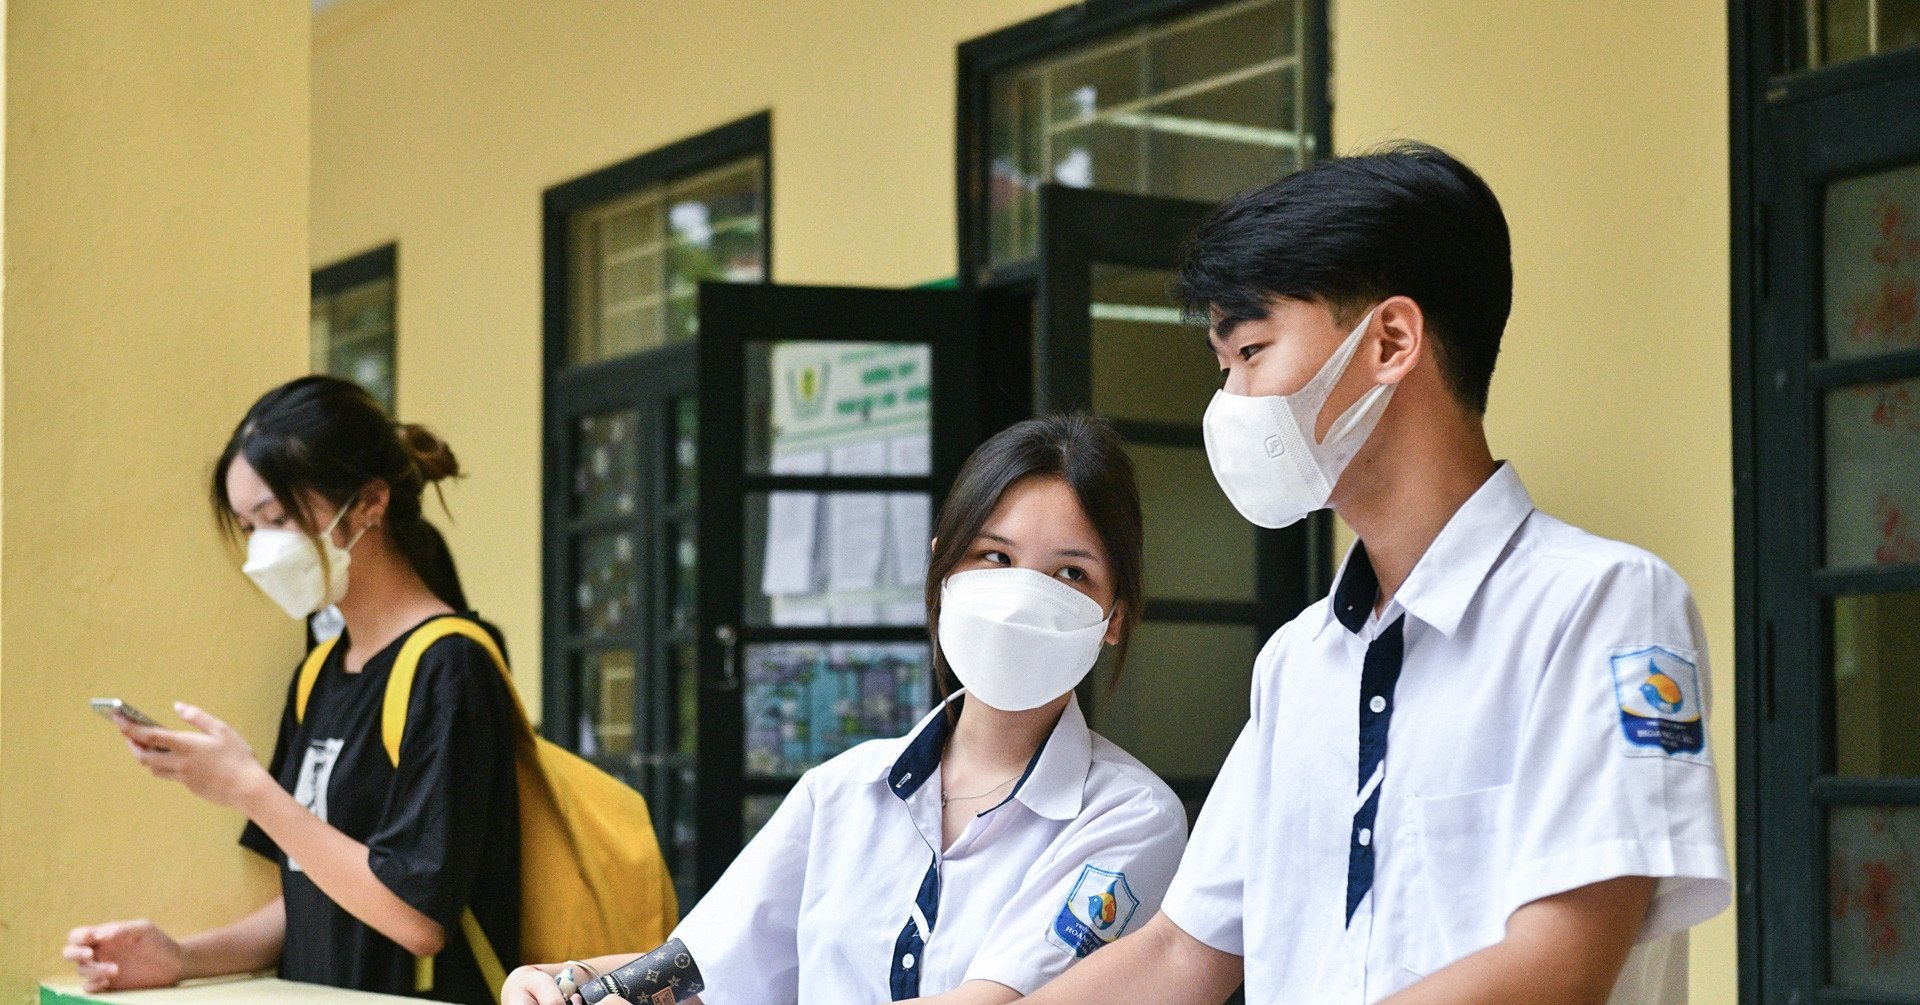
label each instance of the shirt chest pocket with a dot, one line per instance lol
(1455, 901)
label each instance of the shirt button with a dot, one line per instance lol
(1366, 837)
(906, 962)
(1378, 704)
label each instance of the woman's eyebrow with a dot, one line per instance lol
(262, 504)
(991, 536)
(1078, 553)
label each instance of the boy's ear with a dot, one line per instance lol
(1403, 339)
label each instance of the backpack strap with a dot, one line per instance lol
(393, 723)
(309, 675)
(393, 712)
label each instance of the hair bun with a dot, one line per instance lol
(430, 453)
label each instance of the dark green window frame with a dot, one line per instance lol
(329, 282)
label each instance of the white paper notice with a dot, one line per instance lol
(856, 521)
(799, 613)
(910, 515)
(856, 535)
(792, 529)
(910, 455)
(904, 613)
(868, 457)
(856, 615)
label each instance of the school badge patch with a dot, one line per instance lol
(1658, 691)
(1097, 910)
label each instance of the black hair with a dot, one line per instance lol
(1084, 452)
(325, 436)
(1406, 219)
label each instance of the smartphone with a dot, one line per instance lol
(110, 707)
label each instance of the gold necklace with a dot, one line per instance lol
(945, 799)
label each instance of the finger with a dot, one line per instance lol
(78, 954)
(82, 936)
(151, 738)
(200, 719)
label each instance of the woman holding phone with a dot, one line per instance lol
(999, 841)
(377, 860)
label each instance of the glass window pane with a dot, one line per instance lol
(1872, 442)
(1197, 547)
(605, 728)
(1226, 139)
(836, 558)
(1839, 31)
(1147, 363)
(1876, 684)
(713, 232)
(1013, 202)
(843, 408)
(806, 702)
(319, 327)
(1198, 108)
(606, 467)
(1874, 884)
(607, 592)
(368, 363)
(755, 811)
(352, 336)
(614, 264)
(682, 597)
(685, 472)
(1182, 698)
(364, 312)
(1871, 252)
(1224, 42)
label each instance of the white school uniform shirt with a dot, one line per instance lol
(1525, 717)
(844, 895)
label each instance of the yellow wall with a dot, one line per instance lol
(439, 123)
(1604, 134)
(155, 282)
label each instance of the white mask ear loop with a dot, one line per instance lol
(342, 515)
(1323, 383)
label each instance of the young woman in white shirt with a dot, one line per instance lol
(999, 841)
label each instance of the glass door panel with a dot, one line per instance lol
(1112, 342)
(833, 420)
(622, 540)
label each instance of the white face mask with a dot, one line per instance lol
(1018, 638)
(1262, 448)
(286, 567)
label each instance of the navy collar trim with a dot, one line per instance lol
(917, 763)
(1357, 591)
(1034, 762)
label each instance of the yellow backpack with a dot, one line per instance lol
(592, 879)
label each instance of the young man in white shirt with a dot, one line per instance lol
(1478, 771)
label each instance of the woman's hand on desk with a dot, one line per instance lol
(215, 763)
(125, 954)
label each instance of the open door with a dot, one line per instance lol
(1109, 341)
(832, 421)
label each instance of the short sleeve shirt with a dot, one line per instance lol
(846, 897)
(1526, 716)
(442, 830)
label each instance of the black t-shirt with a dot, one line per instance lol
(442, 830)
